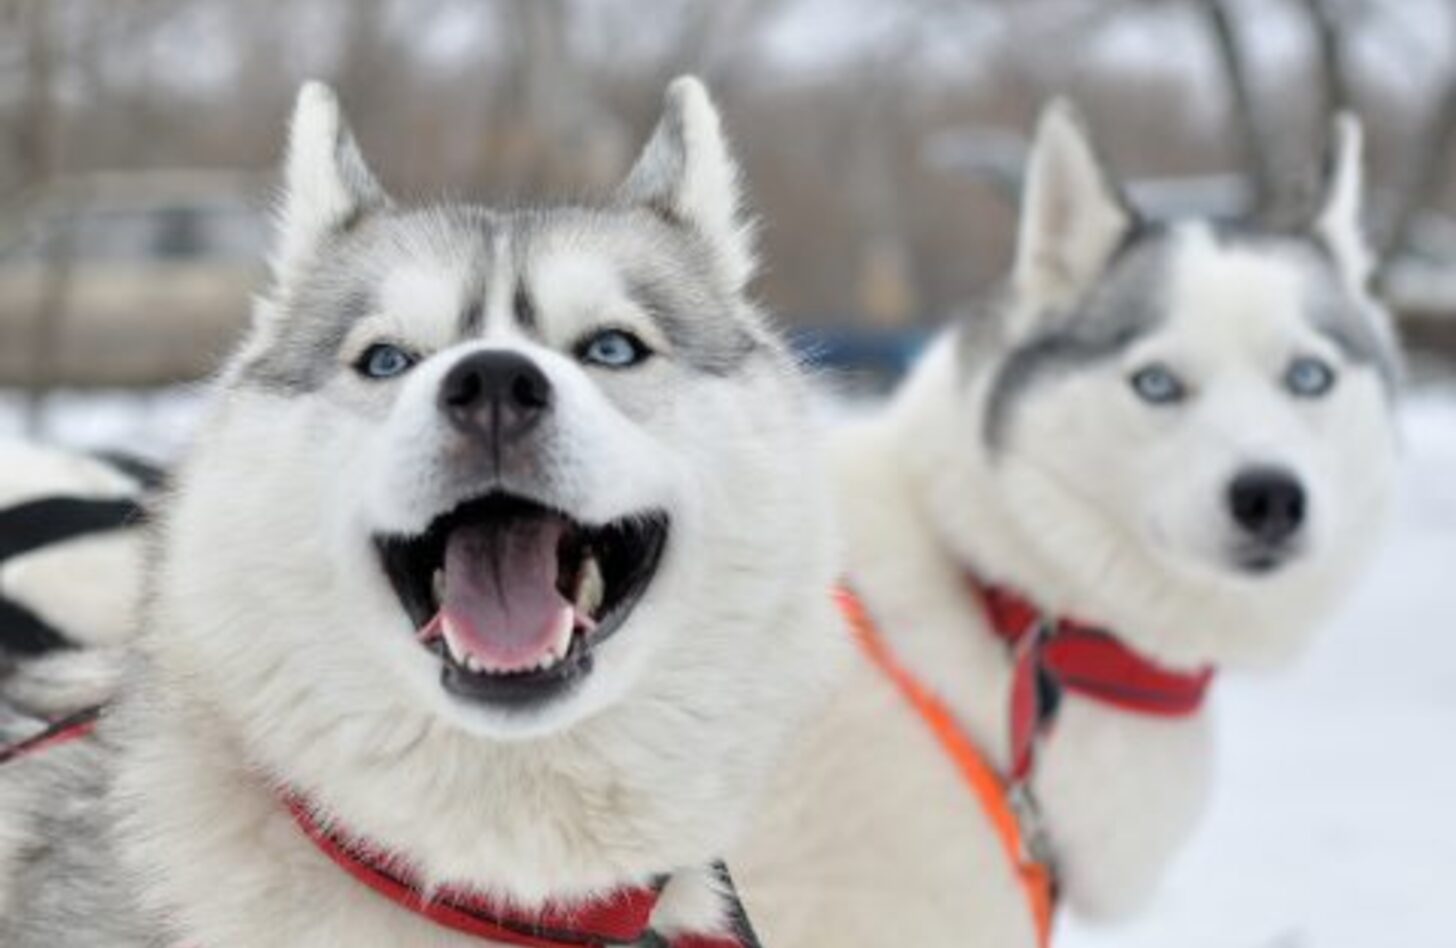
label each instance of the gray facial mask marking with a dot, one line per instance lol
(1128, 303)
(668, 273)
(716, 346)
(342, 287)
(303, 356)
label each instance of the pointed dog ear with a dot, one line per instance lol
(1073, 215)
(1337, 222)
(327, 186)
(686, 174)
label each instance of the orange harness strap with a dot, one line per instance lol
(982, 780)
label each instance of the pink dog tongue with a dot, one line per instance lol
(501, 605)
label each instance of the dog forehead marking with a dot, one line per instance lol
(575, 281)
(500, 283)
(1232, 291)
(419, 293)
(1127, 307)
(1257, 289)
(1225, 293)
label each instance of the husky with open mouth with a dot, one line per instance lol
(1165, 449)
(483, 602)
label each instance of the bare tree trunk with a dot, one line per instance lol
(885, 283)
(1255, 144)
(37, 151)
(1329, 33)
(1335, 92)
(364, 69)
(1430, 169)
(1427, 171)
(714, 38)
(560, 134)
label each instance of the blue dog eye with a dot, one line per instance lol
(1309, 377)
(614, 349)
(384, 361)
(1158, 385)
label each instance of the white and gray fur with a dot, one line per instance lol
(1020, 450)
(93, 618)
(275, 652)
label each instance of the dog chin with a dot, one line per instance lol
(415, 680)
(510, 725)
(1235, 567)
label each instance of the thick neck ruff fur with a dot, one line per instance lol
(619, 917)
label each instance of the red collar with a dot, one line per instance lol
(621, 918)
(1060, 655)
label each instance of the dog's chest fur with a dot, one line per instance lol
(1118, 792)
(59, 886)
(156, 835)
(171, 845)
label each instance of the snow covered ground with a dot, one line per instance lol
(1333, 824)
(154, 425)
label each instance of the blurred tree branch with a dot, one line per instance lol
(36, 149)
(1334, 75)
(1254, 142)
(715, 36)
(828, 110)
(1429, 170)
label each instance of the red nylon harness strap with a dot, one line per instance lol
(1051, 656)
(618, 919)
(63, 731)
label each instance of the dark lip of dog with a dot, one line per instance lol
(1260, 560)
(590, 577)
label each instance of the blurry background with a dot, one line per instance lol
(883, 143)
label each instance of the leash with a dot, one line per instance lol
(620, 918)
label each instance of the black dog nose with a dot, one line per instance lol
(495, 395)
(1268, 503)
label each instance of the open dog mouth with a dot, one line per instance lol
(514, 596)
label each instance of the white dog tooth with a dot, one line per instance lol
(561, 643)
(591, 587)
(437, 586)
(472, 664)
(452, 642)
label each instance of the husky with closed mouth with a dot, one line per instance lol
(494, 580)
(1178, 434)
